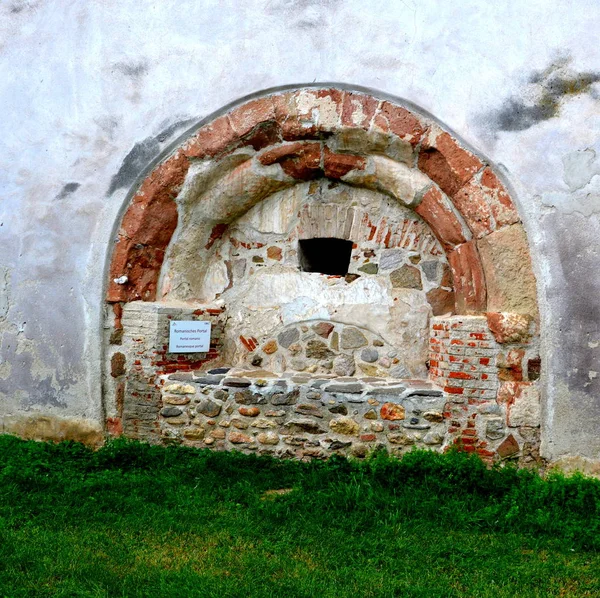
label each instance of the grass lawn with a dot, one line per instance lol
(137, 520)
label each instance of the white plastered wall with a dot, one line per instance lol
(93, 91)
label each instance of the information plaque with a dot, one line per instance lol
(189, 337)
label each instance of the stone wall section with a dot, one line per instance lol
(325, 347)
(300, 416)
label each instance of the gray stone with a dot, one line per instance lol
(352, 338)
(400, 371)
(287, 337)
(343, 365)
(337, 445)
(303, 425)
(395, 391)
(318, 383)
(209, 380)
(216, 371)
(351, 388)
(369, 355)
(494, 428)
(491, 408)
(431, 270)
(208, 408)
(171, 411)
(340, 409)
(181, 377)
(407, 277)
(237, 382)
(239, 268)
(318, 350)
(432, 438)
(298, 364)
(308, 409)
(247, 397)
(313, 395)
(391, 259)
(289, 398)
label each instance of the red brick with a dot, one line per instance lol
(399, 121)
(212, 139)
(485, 453)
(338, 165)
(502, 207)
(300, 160)
(447, 163)
(471, 201)
(145, 232)
(469, 280)
(358, 110)
(244, 118)
(368, 437)
(508, 447)
(286, 115)
(436, 209)
(454, 390)
(249, 343)
(461, 376)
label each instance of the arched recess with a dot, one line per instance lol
(281, 139)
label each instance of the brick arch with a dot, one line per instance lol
(277, 140)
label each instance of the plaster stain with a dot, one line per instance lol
(550, 88)
(67, 190)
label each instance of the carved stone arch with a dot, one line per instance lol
(282, 139)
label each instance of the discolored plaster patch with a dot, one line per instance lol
(52, 428)
(67, 190)
(543, 96)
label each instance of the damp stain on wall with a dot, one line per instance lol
(543, 96)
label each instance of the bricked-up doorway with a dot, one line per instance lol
(325, 255)
(441, 230)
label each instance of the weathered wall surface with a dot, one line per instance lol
(93, 92)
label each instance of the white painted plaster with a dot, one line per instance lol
(83, 82)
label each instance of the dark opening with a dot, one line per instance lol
(327, 256)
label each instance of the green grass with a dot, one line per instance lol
(138, 520)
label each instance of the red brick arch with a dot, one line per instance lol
(311, 133)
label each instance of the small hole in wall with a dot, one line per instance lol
(325, 255)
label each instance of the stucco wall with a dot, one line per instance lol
(93, 92)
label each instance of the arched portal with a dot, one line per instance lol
(439, 286)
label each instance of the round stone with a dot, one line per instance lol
(369, 355)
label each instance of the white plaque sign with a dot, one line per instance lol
(189, 337)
